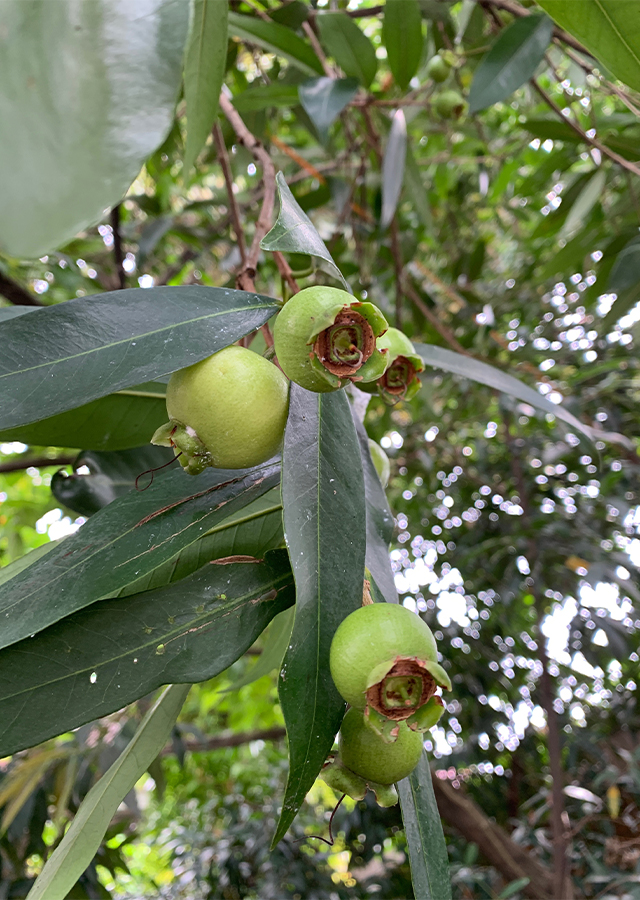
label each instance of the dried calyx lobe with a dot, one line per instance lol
(345, 346)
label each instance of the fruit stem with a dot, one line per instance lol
(319, 837)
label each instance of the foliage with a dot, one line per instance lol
(501, 235)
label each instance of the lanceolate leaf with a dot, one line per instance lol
(72, 75)
(203, 72)
(294, 232)
(81, 842)
(324, 520)
(511, 61)
(99, 659)
(439, 358)
(608, 28)
(423, 830)
(273, 651)
(393, 167)
(324, 99)
(379, 521)
(402, 34)
(351, 49)
(129, 538)
(63, 356)
(275, 38)
(119, 421)
(109, 476)
(626, 269)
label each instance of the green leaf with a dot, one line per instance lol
(379, 521)
(551, 129)
(393, 167)
(606, 29)
(589, 196)
(204, 66)
(483, 373)
(323, 99)
(249, 532)
(264, 95)
(275, 38)
(416, 190)
(127, 539)
(294, 232)
(511, 61)
(82, 841)
(514, 887)
(102, 658)
(273, 651)
(351, 49)
(72, 76)
(402, 36)
(626, 269)
(423, 831)
(116, 422)
(65, 355)
(109, 476)
(324, 521)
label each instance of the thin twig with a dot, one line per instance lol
(592, 142)
(285, 271)
(38, 462)
(118, 255)
(230, 740)
(223, 158)
(317, 49)
(16, 294)
(263, 224)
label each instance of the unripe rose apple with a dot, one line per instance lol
(367, 755)
(228, 411)
(324, 338)
(449, 104)
(383, 660)
(400, 380)
(438, 69)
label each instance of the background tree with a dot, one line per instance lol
(470, 167)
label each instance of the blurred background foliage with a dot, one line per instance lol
(512, 240)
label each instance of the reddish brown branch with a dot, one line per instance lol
(230, 740)
(39, 462)
(223, 158)
(17, 294)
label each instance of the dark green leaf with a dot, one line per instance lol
(82, 841)
(249, 532)
(294, 232)
(323, 99)
(324, 521)
(275, 38)
(292, 14)
(109, 476)
(551, 129)
(606, 29)
(63, 356)
(265, 95)
(483, 373)
(571, 257)
(151, 235)
(351, 49)
(273, 651)
(379, 521)
(393, 167)
(204, 66)
(116, 422)
(72, 76)
(423, 830)
(511, 61)
(99, 659)
(125, 540)
(402, 35)
(626, 269)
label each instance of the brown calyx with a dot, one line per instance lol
(398, 376)
(345, 346)
(405, 688)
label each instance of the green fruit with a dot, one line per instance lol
(400, 380)
(437, 69)
(228, 411)
(367, 755)
(325, 338)
(449, 105)
(384, 657)
(381, 462)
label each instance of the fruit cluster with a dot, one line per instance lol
(230, 410)
(384, 664)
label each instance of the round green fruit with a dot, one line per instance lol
(449, 105)
(384, 657)
(400, 380)
(325, 338)
(228, 411)
(437, 69)
(367, 755)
